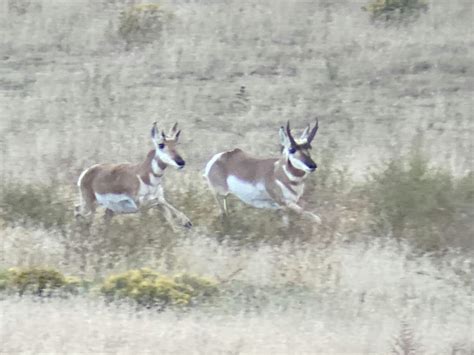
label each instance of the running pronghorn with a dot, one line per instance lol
(275, 183)
(128, 188)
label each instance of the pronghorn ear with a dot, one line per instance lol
(154, 131)
(284, 141)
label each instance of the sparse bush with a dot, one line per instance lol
(34, 204)
(21, 7)
(415, 201)
(38, 282)
(151, 289)
(396, 10)
(143, 23)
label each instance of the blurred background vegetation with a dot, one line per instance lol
(391, 83)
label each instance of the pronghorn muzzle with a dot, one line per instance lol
(306, 160)
(180, 162)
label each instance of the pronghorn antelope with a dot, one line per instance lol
(128, 188)
(275, 183)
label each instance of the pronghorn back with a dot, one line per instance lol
(239, 164)
(111, 179)
(240, 174)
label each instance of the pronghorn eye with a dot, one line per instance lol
(292, 150)
(161, 146)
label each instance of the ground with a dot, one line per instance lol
(74, 92)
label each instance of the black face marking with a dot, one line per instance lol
(161, 145)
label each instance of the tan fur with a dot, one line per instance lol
(241, 165)
(282, 181)
(138, 182)
(116, 178)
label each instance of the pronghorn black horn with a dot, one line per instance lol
(288, 133)
(313, 131)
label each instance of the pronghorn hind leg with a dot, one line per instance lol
(224, 200)
(222, 203)
(106, 256)
(86, 206)
(108, 216)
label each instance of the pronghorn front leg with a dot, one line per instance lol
(294, 207)
(185, 221)
(300, 210)
(171, 210)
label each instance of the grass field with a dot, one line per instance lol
(388, 271)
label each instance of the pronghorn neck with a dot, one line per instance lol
(157, 165)
(294, 175)
(153, 165)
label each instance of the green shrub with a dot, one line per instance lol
(143, 23)
(34, 204)
(38, 282)
(396, 10)
(151, 289)
(199, 286)
(415, 201)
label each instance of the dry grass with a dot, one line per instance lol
(73, 93)
(301, 300)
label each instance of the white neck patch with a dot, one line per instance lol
(155, 168)
(291, 177)
(165, 158)
(298, 164)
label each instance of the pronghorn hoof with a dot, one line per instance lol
(188, 225)
(317, 219)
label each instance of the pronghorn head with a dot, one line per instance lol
(165, 146)
(297, 151)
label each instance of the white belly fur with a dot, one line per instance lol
(253, 194)
(118, 203)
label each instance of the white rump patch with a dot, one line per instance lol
(253, 194)
(211, 163)
(79, 181)
(118, 203)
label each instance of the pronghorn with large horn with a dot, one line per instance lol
(275, 183)
(128, 188)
